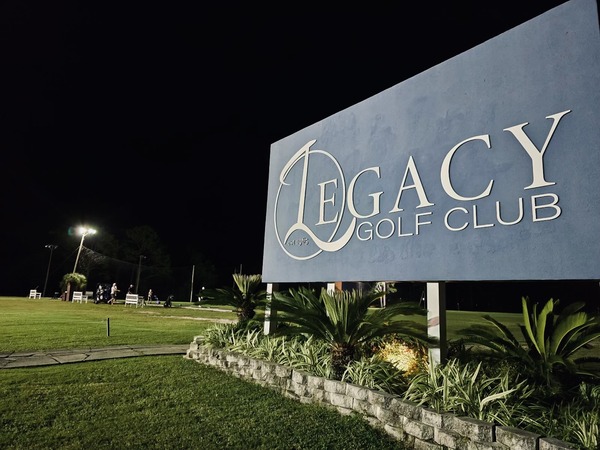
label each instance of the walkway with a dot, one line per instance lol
(52, 357)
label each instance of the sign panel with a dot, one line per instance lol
(484, 167)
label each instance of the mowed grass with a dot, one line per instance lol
(43, 324)
(154, 402)
(164, 402)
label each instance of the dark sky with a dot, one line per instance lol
(119, 114)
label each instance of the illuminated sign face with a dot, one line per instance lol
(486, 167)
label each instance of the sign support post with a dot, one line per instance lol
(436, 320)
(270, 312)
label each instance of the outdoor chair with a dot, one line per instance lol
(134, 299)
(79, 296)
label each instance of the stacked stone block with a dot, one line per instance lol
(415, 426)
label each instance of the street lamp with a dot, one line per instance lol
(84, 232)
(52, 247)
(137, 283)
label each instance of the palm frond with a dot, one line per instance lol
(552, 339)
(345, 319)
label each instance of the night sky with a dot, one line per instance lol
(116, 115)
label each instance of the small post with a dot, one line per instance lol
(108, 326)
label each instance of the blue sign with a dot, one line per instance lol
(484, 167)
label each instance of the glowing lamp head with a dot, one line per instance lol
(85, 231)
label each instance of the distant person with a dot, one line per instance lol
(169, 301)
(150, 295)
(131, 289)
(114, 290)
(99, 293)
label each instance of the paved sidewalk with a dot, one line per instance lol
(52, 357)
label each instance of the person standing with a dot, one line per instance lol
(150, 297)
(113, 293)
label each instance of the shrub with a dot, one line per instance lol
(552, 340)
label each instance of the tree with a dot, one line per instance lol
(345, 320)
(144, 240)
(148, 256)
(205, 270)
(73, 281)
(97, 263)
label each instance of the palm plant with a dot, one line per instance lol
(551, 341)
(73, 282)
(245, 296)
(345, 320)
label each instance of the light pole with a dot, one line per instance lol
(137, 283)
(52, 247)
(192, 286)
(84, 232)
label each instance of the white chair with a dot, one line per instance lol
(33, 293)
(79, 296)
(133, 299)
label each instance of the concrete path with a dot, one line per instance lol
(51, 357)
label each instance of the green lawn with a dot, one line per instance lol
(164, 402)
(457, 320)
(154, 402)
(44, 324)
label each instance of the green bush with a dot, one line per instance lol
(550, 355)
(498, 392)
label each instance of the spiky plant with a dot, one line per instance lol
(345, 320)
(550, 345)
(245, 296)
(73, 281)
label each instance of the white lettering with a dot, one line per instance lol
(365, 201)
(445, 171)
(419, 223)
(375, 196)
(447, 217)
(329, 245)
(384, 236)
(369, 231)
(475, 224)
(553, 204)
(323, 200)
(537, 156)
(400, 234)
(417, 185)
(514, 222)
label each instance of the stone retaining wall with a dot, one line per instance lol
(414, 426)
